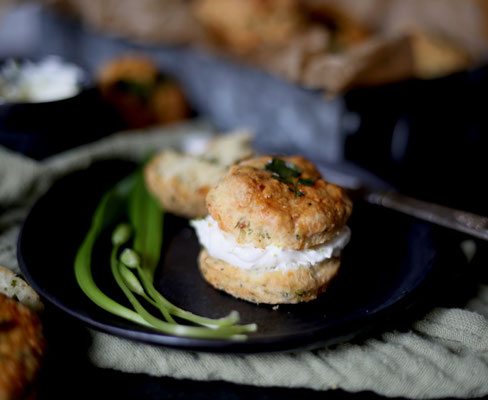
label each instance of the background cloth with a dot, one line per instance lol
(443, 354)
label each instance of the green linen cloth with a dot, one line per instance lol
(445, 354)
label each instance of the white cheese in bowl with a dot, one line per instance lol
(49, 79)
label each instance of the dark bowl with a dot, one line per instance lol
(41, 129)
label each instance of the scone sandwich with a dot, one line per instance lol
(275, 231)
(181, 180)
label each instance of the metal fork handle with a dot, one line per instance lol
(462, 221)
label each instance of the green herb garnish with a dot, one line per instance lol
(283, 169)
(137, 245)
(288, 173)
(306, 181)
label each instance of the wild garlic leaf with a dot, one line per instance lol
(285, 171)
(306, 181)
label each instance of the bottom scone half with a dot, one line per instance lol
(270, 287)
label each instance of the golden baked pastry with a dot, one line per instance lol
(255, 207)
(275, 231)
(22, 341)
(269, 287)
(180, 181)
(13, 286)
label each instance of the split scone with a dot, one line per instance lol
(275, 231)
(180, 181)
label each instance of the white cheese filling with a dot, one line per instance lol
(222, 245)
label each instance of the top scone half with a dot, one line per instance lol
(275, 231)
(180, 180)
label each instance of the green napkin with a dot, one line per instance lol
(445, 354)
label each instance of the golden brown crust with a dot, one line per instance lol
(256, 208)
(21, 347)
(173, 194)
(181, 181)
(275, 287)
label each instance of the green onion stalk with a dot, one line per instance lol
(144, 232)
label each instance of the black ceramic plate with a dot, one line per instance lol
(387, 260)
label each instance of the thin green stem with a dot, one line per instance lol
(133, 283)
(146, 225)
(114, 263)
(230, 320)
(231, 332)
(84, 277)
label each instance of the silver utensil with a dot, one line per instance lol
(462, 221)
(380, 193)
